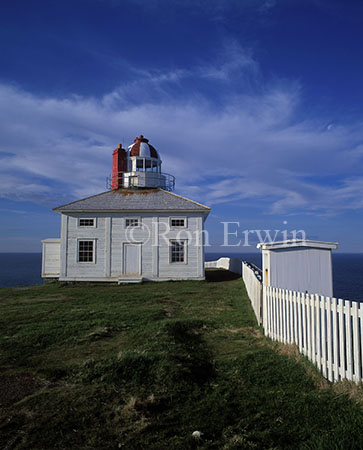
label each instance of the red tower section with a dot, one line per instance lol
(119, 164)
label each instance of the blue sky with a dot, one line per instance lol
(254, 105)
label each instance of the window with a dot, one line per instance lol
(178, 222)
(139, 164)
(132, 222)
(86, 251)
(177, 251)
(86, 222)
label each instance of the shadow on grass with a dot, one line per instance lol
(181, 360)
(216, 275)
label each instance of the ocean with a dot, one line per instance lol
(23, 269)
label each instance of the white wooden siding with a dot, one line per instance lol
(304, 270)
(188, 269)
(75, 233)
(110, 235)
(108, 229)
(64, 246)
(50, 258)
(121, 235)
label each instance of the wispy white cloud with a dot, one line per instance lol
(250, 144)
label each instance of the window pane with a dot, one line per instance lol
(178, 222)
(85, 251)
(86, 222)
(177, 251)
(132, 222)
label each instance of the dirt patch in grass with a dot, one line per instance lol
(235, 330)
(16, 387)
(24, 288)
(100, 333)
(351, 389)
(168, 302)
(247, 332)
(51, 298)
(290, 350)
(255, 332)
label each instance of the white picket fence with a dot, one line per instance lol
(327, 330)
(250, 275)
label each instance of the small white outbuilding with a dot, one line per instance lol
(299, 265)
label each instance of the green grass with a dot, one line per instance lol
(143, 366)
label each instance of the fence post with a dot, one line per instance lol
(308, 328)
(356, 353)
(329, 340)
(323, 336)
(304, 324)
(348, 334)
(361, 340)
(300, 321)
(291, 318)
(335, 340)
(265, 310)
(296, 326)
(313, 328)
(284, 318)
(318, 332)
(275, 301)
(342, 339)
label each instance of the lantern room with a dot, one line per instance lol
(138, 167)
(143, 157)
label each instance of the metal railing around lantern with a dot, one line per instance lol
(141, 180)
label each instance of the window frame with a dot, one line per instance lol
(185, 251)
(138, 218)
(94, 250)
(178, 226)
(87, 226)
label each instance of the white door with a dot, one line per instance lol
(132, 259)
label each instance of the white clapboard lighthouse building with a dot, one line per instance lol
(137, 230)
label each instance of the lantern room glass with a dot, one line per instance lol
(145, 165)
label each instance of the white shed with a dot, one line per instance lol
(299, 265)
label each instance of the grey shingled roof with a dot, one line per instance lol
(131, 200)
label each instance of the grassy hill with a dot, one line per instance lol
(144, 366)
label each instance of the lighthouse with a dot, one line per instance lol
(138, 167)
(138, 230)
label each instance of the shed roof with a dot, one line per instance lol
(297, 243)
(133, 200)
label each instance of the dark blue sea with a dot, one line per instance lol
(23, 269)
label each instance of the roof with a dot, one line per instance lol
(297, 243)
(141, 147)
(133, 200)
